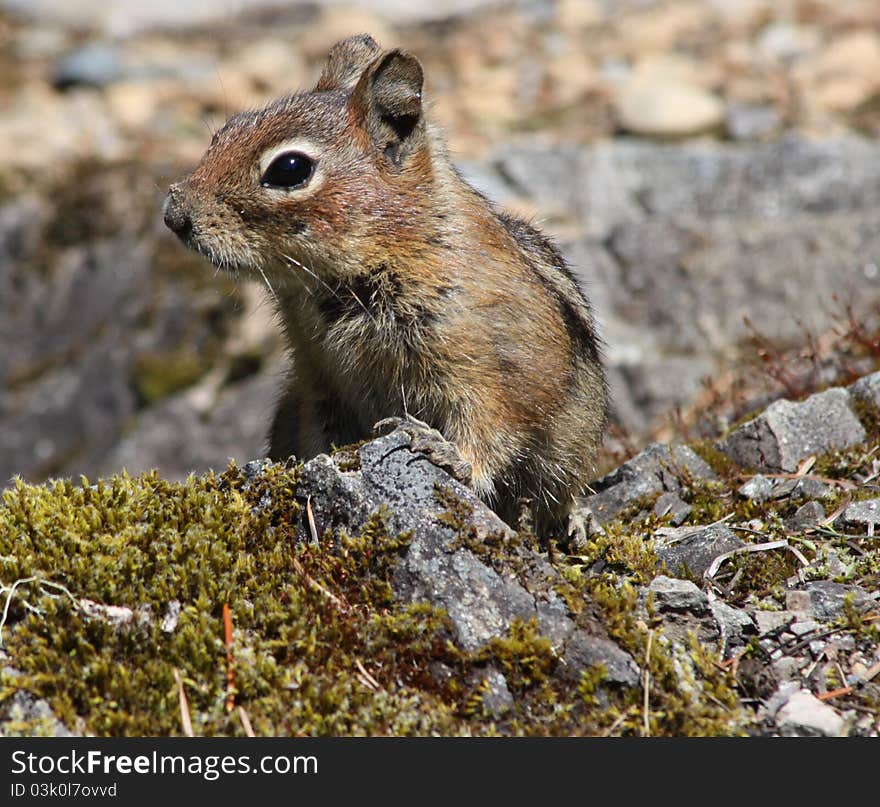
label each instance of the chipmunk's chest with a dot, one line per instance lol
(373, 339)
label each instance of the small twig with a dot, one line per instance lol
(731, 664)
(810, 637)
(10, 591)
(230, 658)
(733, 581)
(815, 663)
(185, 719)
(246, 722)
(825, 696)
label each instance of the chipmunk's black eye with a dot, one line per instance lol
(289, 170)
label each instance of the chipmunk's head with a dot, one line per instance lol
(327, 181)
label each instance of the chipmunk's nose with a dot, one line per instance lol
(176, 215)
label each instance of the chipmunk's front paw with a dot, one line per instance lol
(431, 444)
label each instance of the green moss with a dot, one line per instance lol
(497, 548)
(348, 458)
(524, 656)
(689, 693)
(870, 418)
(716, 459)
(626, 548)
(320, 647)
(156, 376)
(304, 616)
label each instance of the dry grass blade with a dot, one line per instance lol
(310, 581)
(185, 720)
(805, 466)
(313, 530)
(845, 484)
(710, 573)
(617, 723)
(828, 520)
(371, 682)
(245, 722)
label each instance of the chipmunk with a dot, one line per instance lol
(406, 298)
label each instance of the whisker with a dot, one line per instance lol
(328, 287)
(269, 286)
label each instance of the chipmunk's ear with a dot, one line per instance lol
(346, 62)
(387, 101)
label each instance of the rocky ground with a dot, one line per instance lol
(711, 171)
(728, 588)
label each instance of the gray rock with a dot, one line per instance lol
(786, 433)
(769, 621)
(654, 470)
(683, 610)
(801, 489)
(804, 715)
(780, 696)
(672, 594)
(72, 411)
(827, 598)
(802, 628)
(672, 505)
(807, 515)
(27, 710)
(728, 268)
(817, 648)
(867, 389)
(584, 651)
(171, 617)
(799, 602)
(786, 668)
(736, 626)
(173, 436)
(494, 693)
(83, 302)
(482, 601)
(93, 65)
(758, 488)
(751, 121)
(691, 556)
(864, 513)
(623, 182)
(647, 388)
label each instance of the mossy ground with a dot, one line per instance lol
(320, 645)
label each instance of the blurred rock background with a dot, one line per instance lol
(700, 161)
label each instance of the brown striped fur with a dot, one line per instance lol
(399, 285)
